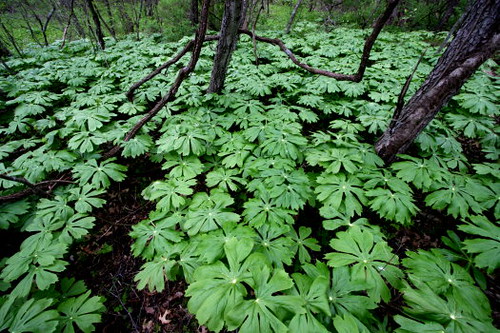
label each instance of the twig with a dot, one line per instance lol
(33, 188)
(401, 98)
(24, 181)
(134, 324)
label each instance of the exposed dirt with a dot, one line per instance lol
(104, 261)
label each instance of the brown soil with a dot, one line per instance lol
(105, 262)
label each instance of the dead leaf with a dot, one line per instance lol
(163, 317)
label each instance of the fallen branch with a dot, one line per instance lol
(377, 27)
(186, 49)
(33, 188)
(181, 75)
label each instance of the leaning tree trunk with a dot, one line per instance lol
(476, 40)
(98, 29)
(292, 17)
(231, 22)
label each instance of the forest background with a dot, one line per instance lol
(246, 192)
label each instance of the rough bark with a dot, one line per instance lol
(193, 12)
(110, 30)
(4, 51)
(150, 7)
(292, 17)
(476, 40)
(97, 22)
(28, 24)
(228, 40)
(127, 22)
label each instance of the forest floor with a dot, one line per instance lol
(105, 262)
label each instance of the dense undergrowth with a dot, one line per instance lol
(239, 171)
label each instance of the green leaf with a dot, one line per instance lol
(99, 175)
(457, 195)
(84, 311)
(421, 172)
(275, 245)
(12, 211)
(445, 278)
(314, 297)
(486, 247)
(424, 304)
(76, 227)
(218, 288)
(155, 235)
(303, 243)
(259, 314)
(35, 316)
(154, 273)
(171, 192)
(395, 206)
(372, 263)
(348, 324)
(410, 326)
(264, 210)
(341, 193)
(86, 198)
(182, 167)
(224, 179)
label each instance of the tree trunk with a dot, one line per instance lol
(150, 7)
(127, 22)
(231, 21)
(111, 20)
(476, 40)
(71, 14)
(11, 38)
(193, 12)
(97, 22)
(4, 51)
(292, 17)
(451, 4)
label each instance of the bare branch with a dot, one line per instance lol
(338, 76)
(33, 188)
(181, 75)
(159, 69)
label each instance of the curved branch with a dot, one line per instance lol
(379, 24)
(186, 49)
(181, 75)
(33, 188)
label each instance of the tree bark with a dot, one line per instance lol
(71, 14)
(228, 40)
(97, 22)
(476, 40)
(193, 12)
(292, 17)
(451, 4)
